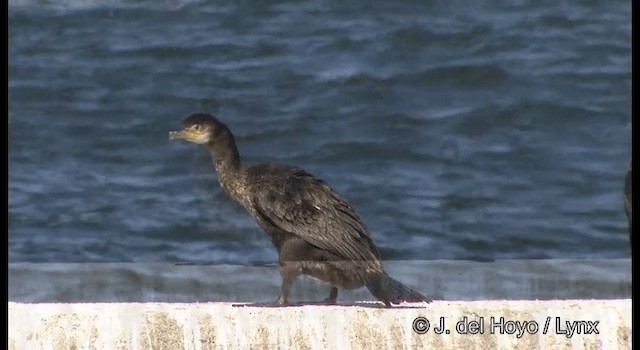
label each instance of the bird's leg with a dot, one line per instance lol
(333, 295)
(284, 294)
(288, 274)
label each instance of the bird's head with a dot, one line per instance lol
(199, 128)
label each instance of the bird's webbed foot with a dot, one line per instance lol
(282, 300)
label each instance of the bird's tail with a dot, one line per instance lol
(389, 290)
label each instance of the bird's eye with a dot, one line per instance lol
(197, 128)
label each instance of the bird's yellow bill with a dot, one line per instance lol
(183, 134)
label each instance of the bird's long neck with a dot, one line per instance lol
(226, 160)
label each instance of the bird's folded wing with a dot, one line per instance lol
(308, 208)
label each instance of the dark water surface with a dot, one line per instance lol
(458, 130)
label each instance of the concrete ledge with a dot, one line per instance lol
(603, 324)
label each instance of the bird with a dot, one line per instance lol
(315, 231)
(627, 201)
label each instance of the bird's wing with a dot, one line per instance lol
(305, 206)
(627, 194)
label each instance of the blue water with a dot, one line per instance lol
(458, 130)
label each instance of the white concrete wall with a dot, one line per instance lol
(361, 326)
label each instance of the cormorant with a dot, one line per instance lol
(627, 201)
(315, 231)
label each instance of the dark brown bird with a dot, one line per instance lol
(627, 202)
(315, 231)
